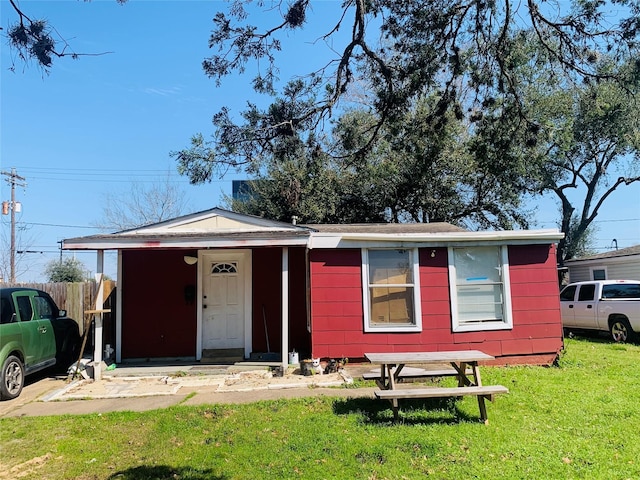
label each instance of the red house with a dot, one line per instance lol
(217, 284)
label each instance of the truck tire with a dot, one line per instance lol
(620, 329)
(11, 378)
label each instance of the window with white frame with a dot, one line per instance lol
(598, 273)
(391, 290)
(480, 290)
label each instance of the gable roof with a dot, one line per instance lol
(623, 252)
(214, 219)
(209, 228)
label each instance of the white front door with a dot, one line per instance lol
(223, 301)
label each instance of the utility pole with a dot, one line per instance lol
(12, 179)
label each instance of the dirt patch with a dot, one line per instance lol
(267, 380)
(25, 468)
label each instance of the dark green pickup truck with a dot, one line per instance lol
(34, 334)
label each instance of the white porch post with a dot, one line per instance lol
(285, 309)
(99, 306)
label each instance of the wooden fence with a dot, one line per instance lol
(76, 298)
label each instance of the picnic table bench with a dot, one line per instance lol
(464, 365)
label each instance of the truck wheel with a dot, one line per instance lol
(11, 378)
(621, 331)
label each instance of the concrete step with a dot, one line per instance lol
(222, 356)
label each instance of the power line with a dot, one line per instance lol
(95, 170)
(109, 175)
(102, 179)
(20, 223)
(550, 222)
(74, 252)
(618, 220)
(58, 225)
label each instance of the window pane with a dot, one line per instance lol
(43, 308)
(24, 308)
(392, 305)
(479, 285)
(390, 267)
(479, 314)
(6, 313)
(599, 274)
(479, 303)
(480, 264)
(568, 294)
(224, 268)
(631, 290)
(587, 293)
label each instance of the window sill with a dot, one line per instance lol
(394, 329)
(482, 327)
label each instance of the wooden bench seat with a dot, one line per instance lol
(481, 392)
(434, 392)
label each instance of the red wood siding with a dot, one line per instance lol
(266, 266)
(157, 320)
(338, 318)
(267, 300)
(336, 304)
(535, 301)
(299, 335)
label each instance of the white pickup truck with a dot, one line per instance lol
(606, 305)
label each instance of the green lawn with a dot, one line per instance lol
(578, 420)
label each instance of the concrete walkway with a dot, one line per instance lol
(56, 396)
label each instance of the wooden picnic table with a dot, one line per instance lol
(464, 363)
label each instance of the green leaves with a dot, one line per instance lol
(32, 40)
(68, 270)
(438, 111)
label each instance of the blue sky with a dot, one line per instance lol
(95, 125)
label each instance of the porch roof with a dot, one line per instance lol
(186, 240)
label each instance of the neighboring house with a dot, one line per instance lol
(623, 264)
(217, 282)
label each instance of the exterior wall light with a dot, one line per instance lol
(189, 260)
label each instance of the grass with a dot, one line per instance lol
(578, 420)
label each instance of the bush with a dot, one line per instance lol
(67, 270)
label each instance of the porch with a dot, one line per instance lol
(180, 378)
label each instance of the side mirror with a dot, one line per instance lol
(62, 313)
